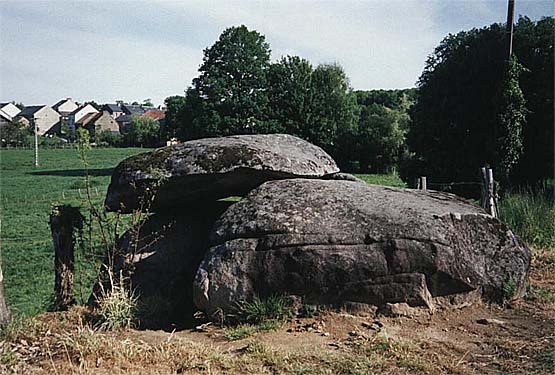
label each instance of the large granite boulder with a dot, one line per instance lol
(160, 257)
(210, 169)
(333, 241)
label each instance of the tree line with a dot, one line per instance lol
(240, 91)
(473, 106)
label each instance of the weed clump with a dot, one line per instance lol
(117, 306)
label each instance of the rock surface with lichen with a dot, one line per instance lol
(210, 169)
(332, 241)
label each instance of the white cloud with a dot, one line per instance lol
(137, 50)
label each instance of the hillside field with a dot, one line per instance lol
(26, 198)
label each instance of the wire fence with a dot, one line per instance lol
(55, 196)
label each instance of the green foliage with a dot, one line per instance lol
(109, 138)
(143, 131)
(533, 45)
(259, 310)
(531, 215)
(15, 134)
(174, 106)
(509, 289)
(470, 108)
(229, 95)
(511, 119)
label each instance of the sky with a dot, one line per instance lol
(134, 50)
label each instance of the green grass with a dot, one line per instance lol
(26, 197)
(382, 179)
(531, 215)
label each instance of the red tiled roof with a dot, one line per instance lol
(155, 114)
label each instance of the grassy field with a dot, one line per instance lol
(26, 198)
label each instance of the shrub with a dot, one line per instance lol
(531, 215)
(117, 306)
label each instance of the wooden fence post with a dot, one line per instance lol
(491, 194)
(64, 221)
(424, 183)
(484, 188)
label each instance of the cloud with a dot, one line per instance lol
(137, 50)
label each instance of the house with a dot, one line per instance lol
(97, 123)
(46, 120)
(132, 109)
(9, 110)
(78, 114)
(64, 107)
(123, 122)
(113, 109)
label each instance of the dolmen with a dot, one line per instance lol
(297, 227)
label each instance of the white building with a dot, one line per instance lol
(44, 117)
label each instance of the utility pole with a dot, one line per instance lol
(36, 143)
(510, 21)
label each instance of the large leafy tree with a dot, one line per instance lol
(289, 94)
(381, 138)
(469, 111)
(533, 45)
(143, 131)
(173, 126)
(333, 107)
(229, 96)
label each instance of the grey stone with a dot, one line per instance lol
(210, 169)
(160, 258)
(332, 241)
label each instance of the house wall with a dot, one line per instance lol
(45, 119)
(105, 123)
(74, 117)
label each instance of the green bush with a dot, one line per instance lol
(531, 215)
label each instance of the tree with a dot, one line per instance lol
(14, 134)
(229, 95)
(148, 103)
(470, 111)
(534, 44)
(174, 125)
(381, 138)
(333, 107)
(143, 131)
(290, 94)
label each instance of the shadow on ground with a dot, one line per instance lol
(76, 172)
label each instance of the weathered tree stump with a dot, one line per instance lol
(64, 221)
